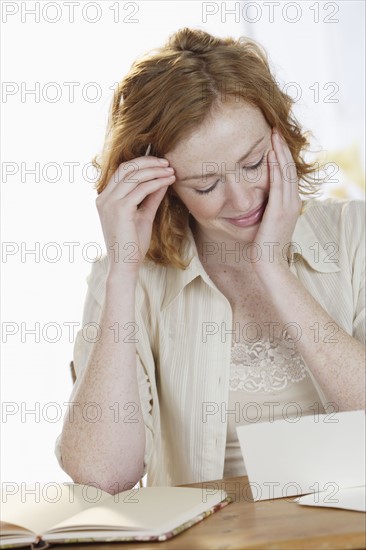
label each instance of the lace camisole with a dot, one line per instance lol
(268, 381)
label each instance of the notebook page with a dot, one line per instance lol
(149, 508)
(37, 507)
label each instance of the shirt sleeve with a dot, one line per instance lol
(356, 245)
(359, 322)
(82, 349)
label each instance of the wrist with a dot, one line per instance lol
(120, 275)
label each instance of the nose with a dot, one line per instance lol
(240, 194)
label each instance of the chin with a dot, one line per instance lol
(240, 234)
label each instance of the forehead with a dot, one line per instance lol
(228, 131)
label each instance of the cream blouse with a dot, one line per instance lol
(183, 361)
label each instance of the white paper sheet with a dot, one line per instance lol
(353, 498)
(324, 452)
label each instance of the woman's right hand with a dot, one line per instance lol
(127, 207)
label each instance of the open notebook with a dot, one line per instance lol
(71, 513)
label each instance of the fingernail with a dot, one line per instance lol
(164, 161)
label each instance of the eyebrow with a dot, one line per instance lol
(238, 162)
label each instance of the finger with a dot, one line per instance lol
(133, 199)
(290, 191)
(281, 156)
(289, 168)
(138, 170)
(275, 178)
(130, 170)
(281, 200)
(131, 182)
(151, 204)
(275, 181)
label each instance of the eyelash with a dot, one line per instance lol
(253, 167)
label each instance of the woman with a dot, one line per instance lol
(205, 315)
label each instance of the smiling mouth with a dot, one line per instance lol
(251, 218)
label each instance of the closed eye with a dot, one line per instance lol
(251, 167)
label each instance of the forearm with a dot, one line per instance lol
(336, 359)
(109, 450)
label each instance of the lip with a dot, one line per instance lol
(249, 219)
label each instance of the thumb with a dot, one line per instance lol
(152, 202)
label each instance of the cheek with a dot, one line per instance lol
(205, 207)
(201, 206)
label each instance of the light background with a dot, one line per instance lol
(325, 46)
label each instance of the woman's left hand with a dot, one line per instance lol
(283, 208)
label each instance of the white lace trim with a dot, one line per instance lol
(265, 365)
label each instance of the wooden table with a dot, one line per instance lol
(271, 524)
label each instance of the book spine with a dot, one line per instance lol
(40, 544)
